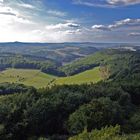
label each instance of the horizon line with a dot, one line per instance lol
(70, 42)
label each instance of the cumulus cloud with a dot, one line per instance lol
(14, 24)
(61, 32)
(100, 27)
(58, 35)
(10, 15)
(62, 26)
(8, 11)
(72, 32)
(118, 24)
(106, 3)
(22, 22)
(18, 25)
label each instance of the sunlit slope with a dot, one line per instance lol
(28, 77)
(94, 75)
(39, 79)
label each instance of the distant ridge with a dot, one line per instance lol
(96, 44)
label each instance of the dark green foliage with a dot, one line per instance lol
(96, 114)
(7, 88)
(8, 60)
(107, 133)
(63, 110)
(58, 112)
(103, 134)
(120, 63)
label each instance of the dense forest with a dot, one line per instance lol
(62, 111)
(9, 60)
(108, 110)
(112, 59)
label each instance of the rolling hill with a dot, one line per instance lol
(94, 75)
(38, 79)
(68, 106)
(28, 77)
(38, 72)
(117, 62)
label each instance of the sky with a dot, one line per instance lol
(70, 21)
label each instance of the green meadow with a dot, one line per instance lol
(28, 77)
(39, 79)
(93, 75)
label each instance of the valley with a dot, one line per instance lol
(57, 97)
(69, 69)
(38, 79)
(41, 72)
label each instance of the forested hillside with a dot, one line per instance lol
(113, 61)
(63, 111)
(109, 109)
(69, 69)
(8, 60)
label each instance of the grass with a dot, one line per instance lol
(88, 76)
(28, 77)
(39, 79)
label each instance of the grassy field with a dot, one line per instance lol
(34, 78)
(88, 76)
(39, 79)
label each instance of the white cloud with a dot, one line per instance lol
(60, 32)
(56, 13)
(72, 32)
(24, 5)
(13, 25)
(91, 3)
(62, 26)
(18, 25)
(11, 16)
(7, 11)
(106, 3)
(55, 36)
(123, 2)
(100, 27)
(122, 23)
(23, 23)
